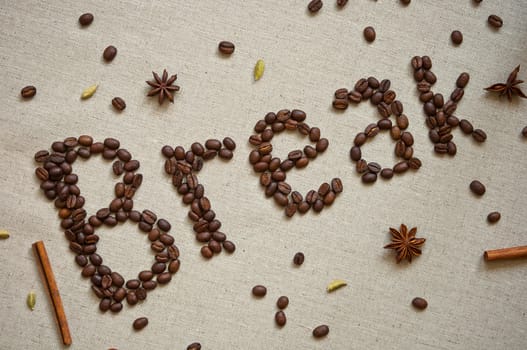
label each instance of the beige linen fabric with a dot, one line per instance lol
(472, 304)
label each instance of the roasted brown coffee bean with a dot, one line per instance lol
(434, 136)
(457, 94)
(303, 207)
(456, 37)
(495, 21)
(400, 148)
(427, 62)
(524, 131)
(384, 110)
(361, 166)
(430, 77)
(354, 96)
(341, 93)
(149, 285)
(229, 246)
(400, 167)
(259, 291)
(281, 199)
(423, 87)
(28, 91)
(282, 302)
(493, 217)
(336, 185)
(361, 85)
(429, 108)
(165, 277)
(340, 103)
(194, 346)
(466, 126)
(426, 96)
(479, 135)
(88, 270)
(384, 124)
(377, 98)
(419, 75)
(395, 132)
(369, 177)
(109, 53)
(85, 19)
(452, 121)
(414, 163)
(419, 303)
(397, 108)
(229, 143)
(314, 134)
(298, 259)
(341, 3)
(417, 62)
(320, 331)
(360, 139)
(105, 304)
(374, 167)
(145, 275)
(462, 80)
(441, 148)
(322, 145)
(314, 6)
(369, 34)
(140, 323)
(280, 318)
(206, 252)
(407, 138)
(131, 298)
(477, 188)
(386, 173)
(226, 47)
(371, 130)
(438, 100)
(389, 97)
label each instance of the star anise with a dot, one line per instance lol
(405, 243)
(163, 86)
(509, 88)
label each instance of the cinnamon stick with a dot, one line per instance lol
(51, 286)
(506, 253)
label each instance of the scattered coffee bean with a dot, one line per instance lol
(495, 21)
(280, 318)
(282, 302)
(28, 91)
(524, 132)
(298, 259)
(320, 331)
(118, 103)
(314, 6)
(419, 303)
(479, 135)
(140, 323)
(109, 53)
(369, 34)
(493, 217)
(342, 3)
(406, 2)
(457, 37)
(226, 47)
(477, 188)
(259, 291)
(194, 346)
(86, 19)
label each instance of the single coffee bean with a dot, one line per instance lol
(401, 167)
(430, 77)
(194, 346)
(109, 53)
(524, 132)
(457, 37)
(280, 318)
(140, 323)
(369, 177)
(427, 62)
(336, 185)
(341, 93)
(340, 103)
(479, 135)
(320, 331)
(462, 80)
(386, 173)
(314, 6)
(493, 217)
(374, 167)
(419, 303)
(118, 103)
(85, 19)
(282, 302)
(105, 304)
(229, 246)
(477, 188)
(369, 34)
(298, 259)
(259, 291)
(466, 126)
(226, 47)
(417, 62)
(457, 94)
(206, 252)
(495, 21)
(28, 91)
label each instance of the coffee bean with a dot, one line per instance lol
(430, 77)
(414, 163)
(417, 62)
(86, 19)
(194, 346)
(429, 108)
(280, 318)
(341, 3)
(105, 304)
(165, 277)
(462, 80)
(28, 91)
(374, 167)
(340, 103)
(229, 246)
(419, 303)
(419, 75)
(118, 103)
(354, 96)
(386, 173)
(479, 135)
(226, 47)
(141, 293)
(259, 291)
(384, 124)
(314, 6)
(320, 331)
(298, 259)
(495, 21)
(466, 126)
(477, 188)
(406, 2)
(457, 94)
(493, 217)
(369, 177)
(282, 302)
(229, 143)
(427, 62)
(400, 167)
(336, 185)
(355, 153)
(361, 166)
(524, 132)
(131, 298)
(109, 53)
(457, 37)
(206, 252)
(369, 34)
(140, 323)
